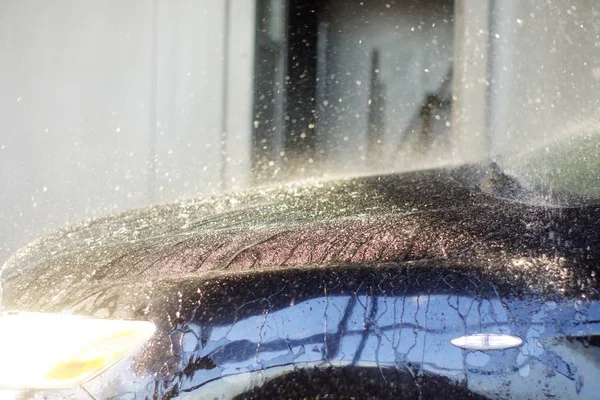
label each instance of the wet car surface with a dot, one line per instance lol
(327, 288)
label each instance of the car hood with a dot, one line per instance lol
(423, 215)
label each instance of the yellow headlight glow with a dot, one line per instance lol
(51, 351)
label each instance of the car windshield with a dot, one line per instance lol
(110, 106)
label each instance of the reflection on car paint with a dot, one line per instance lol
(411, 332)
(238, 339)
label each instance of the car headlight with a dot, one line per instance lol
(52, 351)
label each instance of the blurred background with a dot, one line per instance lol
(111, 105)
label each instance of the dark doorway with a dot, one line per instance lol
(351, 85)
(284, 134)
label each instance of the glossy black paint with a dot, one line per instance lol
(404, 263)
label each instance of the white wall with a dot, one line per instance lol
(109, 105)
(546, 70)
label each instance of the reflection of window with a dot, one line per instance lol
(384, 83)
(335, 77)
(268, 87)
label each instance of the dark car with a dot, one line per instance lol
(433, 285)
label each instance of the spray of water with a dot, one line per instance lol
(565, 165)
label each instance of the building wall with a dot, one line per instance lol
(546, 67)
(111, 105)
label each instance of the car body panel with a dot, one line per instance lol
(246, 289)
